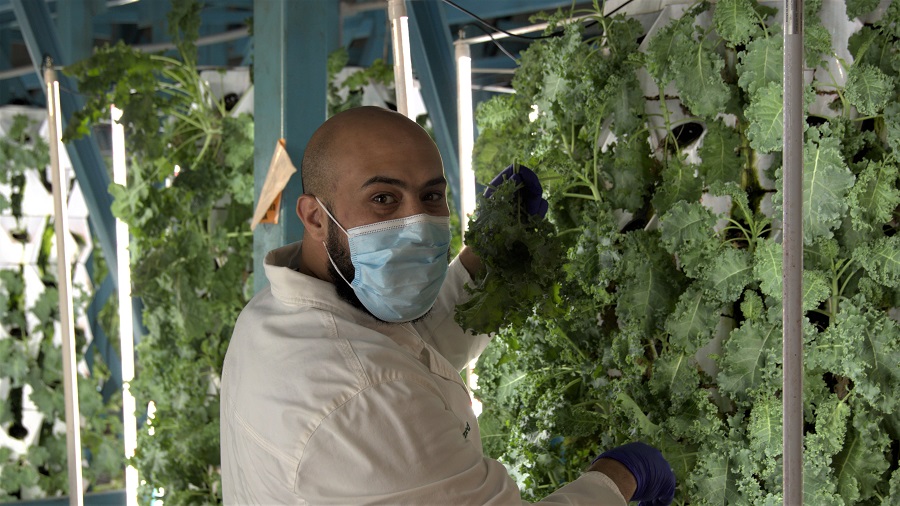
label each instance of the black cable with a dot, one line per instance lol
(537, 37)
(617, 9)
(485, 23)
(495, 41)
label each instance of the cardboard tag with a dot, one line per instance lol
(280, 171)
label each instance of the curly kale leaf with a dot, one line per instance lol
(761, 63)
(765, 429)
(859, 467)
(751, 359)
(736, 21)
(698, 76)
(693, 320)
(675, 376)
(726, 274)
(816, 43)
(630, 174)
(869, 46)
(868, 89)
(858, 8)
(679, 182)
(766, 115)
(686, 227)
(716, 480)
(892, 125)
(523, 263)
(881, 260)
(863, 346)
(874, 196)
(826, 184)
(672, 40)
(720, 155)
(649, 288)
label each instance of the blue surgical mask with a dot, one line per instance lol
(400, 265)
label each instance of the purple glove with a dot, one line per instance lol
(530, 191)
(654, 477)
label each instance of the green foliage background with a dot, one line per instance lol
(668, 322)
(190, 249)
(31, 360)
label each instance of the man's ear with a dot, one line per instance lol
(315, 221)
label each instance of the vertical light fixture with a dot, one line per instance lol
(126, 322)
(792, 257)
(403, 77)
(64, 286)
(466, 132)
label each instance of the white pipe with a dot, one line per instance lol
(207, 40)
(495, 89)
(403, 76)
(64, 286)
(792, 388)
(487, 70)
(126, 322)
(466, 134)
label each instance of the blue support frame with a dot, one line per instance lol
(435, 66)
(76, 29)
(100, 344)
(293, 39)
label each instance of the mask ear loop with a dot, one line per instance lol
(341, 274)
(330, 216)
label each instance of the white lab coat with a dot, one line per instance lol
(322, 404)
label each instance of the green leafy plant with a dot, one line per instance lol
(188, 202)
(32, 361)
(669, 326)
(504, 295)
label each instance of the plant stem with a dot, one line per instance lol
(572, 344)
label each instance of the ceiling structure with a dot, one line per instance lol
(225, 39)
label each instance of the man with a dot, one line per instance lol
(341, 383)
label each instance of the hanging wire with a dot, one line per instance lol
(491, 35)
(483, 25)
(496, 29)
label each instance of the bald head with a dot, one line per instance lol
(362, 129)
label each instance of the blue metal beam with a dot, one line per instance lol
(153, 15)
(101, 343)
(359, 27)
(76, 30)
(109, 498)
(375, 44)
(292, 41)
(435, 66)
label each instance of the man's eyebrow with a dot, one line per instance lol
(400, 183)
(386, 180)
(434, 182)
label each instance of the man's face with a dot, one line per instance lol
(381, 177)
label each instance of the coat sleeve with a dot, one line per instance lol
(399, 442)
(440, 329)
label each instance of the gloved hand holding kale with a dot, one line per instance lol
(519, 250)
